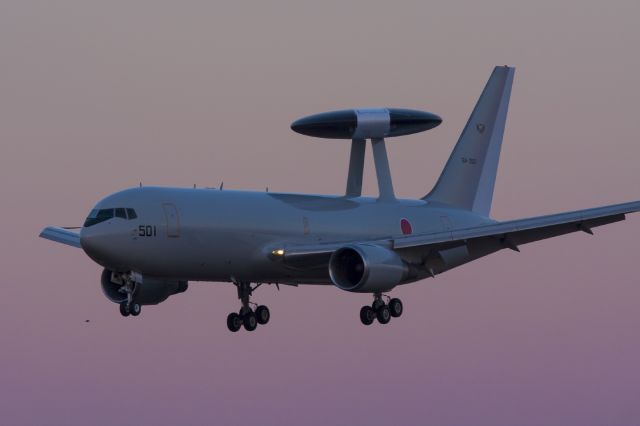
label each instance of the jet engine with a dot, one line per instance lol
(149, 291)
(366, 268)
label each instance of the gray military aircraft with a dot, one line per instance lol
(151, 241)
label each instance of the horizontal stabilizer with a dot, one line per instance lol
(61, 235)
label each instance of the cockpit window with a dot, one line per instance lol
(97, 216)
(105, 214)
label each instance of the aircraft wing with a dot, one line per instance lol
(510, 234)
(61, 235)
(523, 231)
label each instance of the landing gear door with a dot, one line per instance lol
(173, 221)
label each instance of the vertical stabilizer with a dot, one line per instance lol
(469, 176)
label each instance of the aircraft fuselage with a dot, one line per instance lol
(224, 235)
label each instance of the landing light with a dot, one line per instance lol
(278, 252)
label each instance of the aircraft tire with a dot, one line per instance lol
(395, 307)
(377, 303)
(383, 314)
(262, 314)
(250, 321)
(234, 322)
(367, 315)
(124, 310)
(135, 309)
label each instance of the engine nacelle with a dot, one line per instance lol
(366, 268)
(149, 291)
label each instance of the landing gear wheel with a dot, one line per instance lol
(367, 315)
(383, 314)
(262, 314)
(124, 310)
(135, 309)
(249, 321)
(395, 307)
(377, 303)
(234, 322)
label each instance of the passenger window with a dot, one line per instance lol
(132, 214)
(121, 213)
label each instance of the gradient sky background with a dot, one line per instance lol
(96, 96)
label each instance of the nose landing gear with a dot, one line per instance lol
(132, 309)
(128, 307)
(380, 310)
(247, 317)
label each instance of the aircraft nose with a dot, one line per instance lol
(104, 245)
(92, 243)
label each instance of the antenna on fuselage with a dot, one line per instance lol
(362, 124)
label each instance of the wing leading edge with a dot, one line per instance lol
(61, 235)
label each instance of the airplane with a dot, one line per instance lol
(152, 241)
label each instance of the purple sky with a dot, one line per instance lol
(97, 96)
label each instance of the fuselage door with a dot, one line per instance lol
(173, 221)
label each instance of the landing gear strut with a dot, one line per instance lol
(380, 310)
(129, 307)
(247, 317)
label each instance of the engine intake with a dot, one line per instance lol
(366, 268)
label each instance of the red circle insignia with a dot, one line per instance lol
(405, 226)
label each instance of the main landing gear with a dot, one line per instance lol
(128, 307)
(247, 317)
(380, 310)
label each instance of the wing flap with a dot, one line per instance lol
(61, 235)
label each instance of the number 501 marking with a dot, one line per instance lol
(147, 231)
